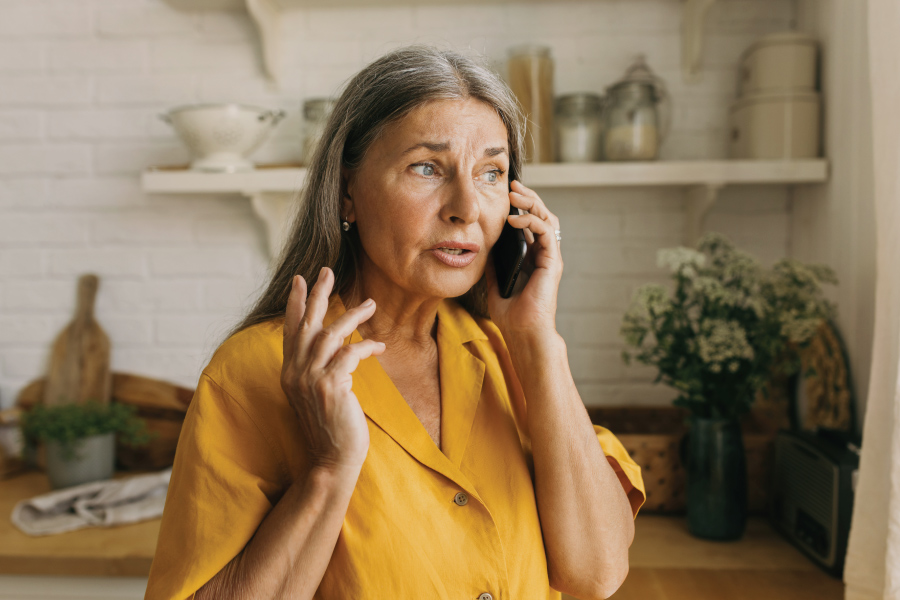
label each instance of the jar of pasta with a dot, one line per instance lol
(531, 80)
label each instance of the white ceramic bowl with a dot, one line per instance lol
(222, 135)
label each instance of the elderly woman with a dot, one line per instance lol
(401, 430)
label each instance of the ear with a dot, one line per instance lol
(348, 210)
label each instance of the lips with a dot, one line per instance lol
(455, 254)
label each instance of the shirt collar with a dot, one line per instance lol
(462, 375)
(458, 323)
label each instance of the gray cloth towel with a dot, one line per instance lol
(96, 504)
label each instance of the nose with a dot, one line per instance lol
(464, 204)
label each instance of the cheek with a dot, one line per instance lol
(495, 222)
(394, 224)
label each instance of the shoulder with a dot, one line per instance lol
(250, 358)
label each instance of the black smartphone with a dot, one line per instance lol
(509, 254)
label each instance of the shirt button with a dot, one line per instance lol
(462, 499)
(485, 596)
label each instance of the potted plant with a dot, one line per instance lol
(726, 329)
(80, 438)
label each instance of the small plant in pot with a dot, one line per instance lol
(726, 329)
(80, 438)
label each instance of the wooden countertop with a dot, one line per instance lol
(125, 550)
(666, 562)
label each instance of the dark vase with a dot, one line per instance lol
(716, 474)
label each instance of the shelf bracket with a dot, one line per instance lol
(267, 16)
(698, 200)
(274, 210)
(693, 20)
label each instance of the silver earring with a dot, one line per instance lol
(345, 225)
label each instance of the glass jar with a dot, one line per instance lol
(579, 128)
(635, 115)
(315, 115)
(531, 80)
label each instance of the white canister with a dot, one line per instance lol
(775, 126)
(781, 62)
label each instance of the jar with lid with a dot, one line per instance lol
(636, 115)
(579, 128)
(531, 80)
(315, 115)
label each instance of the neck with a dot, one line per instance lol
(401, 319)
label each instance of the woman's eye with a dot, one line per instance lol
(493, 176)
(425, 169)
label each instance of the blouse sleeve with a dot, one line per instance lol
(628, 471)
(225, 480)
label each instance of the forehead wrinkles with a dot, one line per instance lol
(468, 129)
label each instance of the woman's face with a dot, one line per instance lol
(436, 179)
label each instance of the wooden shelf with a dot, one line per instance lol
(553, 175)
(272, 190)
(268, 17)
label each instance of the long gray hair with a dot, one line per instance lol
(382, 93)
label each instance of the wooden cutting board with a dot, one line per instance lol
(79, 360)
(143, 392)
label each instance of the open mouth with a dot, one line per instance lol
(455, 257)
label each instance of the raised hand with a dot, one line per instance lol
(316, 374)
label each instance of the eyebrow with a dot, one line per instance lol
(444, 146)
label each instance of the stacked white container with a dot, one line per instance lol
(777, 112)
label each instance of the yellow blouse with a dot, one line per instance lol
(403, 536)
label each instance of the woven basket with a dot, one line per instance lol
(652, 436)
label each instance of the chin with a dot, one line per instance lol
(452, 287)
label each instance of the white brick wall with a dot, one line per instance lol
(81, 84)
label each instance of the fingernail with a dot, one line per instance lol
(368, 302)
(322, 271)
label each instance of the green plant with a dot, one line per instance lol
(728, 326)
(68, 423)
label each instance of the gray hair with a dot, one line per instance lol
(382, 93)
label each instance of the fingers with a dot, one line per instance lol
(524, 197)
(317, 304)
(541, 228)
(330, 339)
(296, 307)
(348, 357)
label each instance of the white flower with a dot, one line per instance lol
(798, 330)
(681, 259)
(721, 340)
(651, 298)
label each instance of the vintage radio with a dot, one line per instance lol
(813, 482)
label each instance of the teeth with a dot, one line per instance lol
(453, 250)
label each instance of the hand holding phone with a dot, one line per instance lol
(509, 254)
